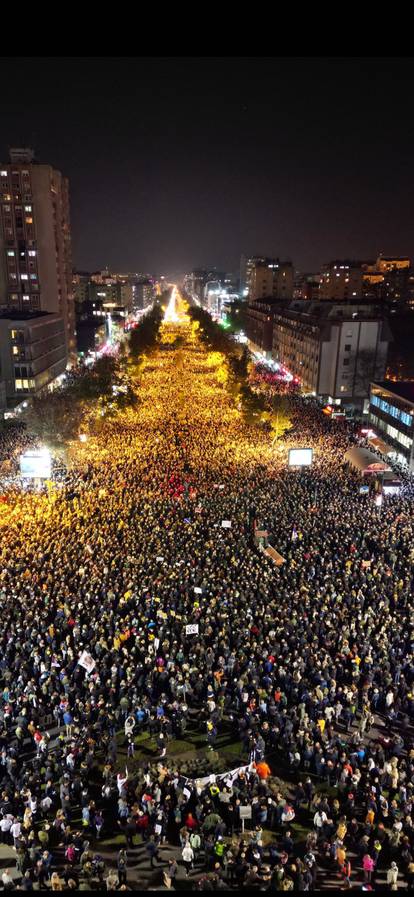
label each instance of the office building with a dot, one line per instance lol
(334, 349)
(341, 280)
(35, 241)
(32, 352)
(391, 413)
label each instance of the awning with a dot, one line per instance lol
(380, 445)
(364, 460)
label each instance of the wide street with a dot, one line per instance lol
(298, 665)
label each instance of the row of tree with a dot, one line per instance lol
(269, 411)
(92, 394)
(144, 337)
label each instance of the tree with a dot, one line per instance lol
(55, 419)
(364, 368)
(144, 337)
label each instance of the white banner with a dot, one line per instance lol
(224, 777)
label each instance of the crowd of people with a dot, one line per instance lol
(135, 600)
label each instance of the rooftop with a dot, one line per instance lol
(11, 315)
(402, 388)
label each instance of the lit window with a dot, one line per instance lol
(406, 418)
(392, 431)
(29, 220)
(15, 350)
(3, 174)
(28, 208)
(13, 334)
(32, 253)
(10, 252)
(33, 276)
(24, 277)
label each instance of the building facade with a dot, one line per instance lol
(270, 279)
(388, 280)
(32, 352)
(35, 241)
(341, 280)
(259, 325)
(334, 349)
(391, 413)
(306, 286)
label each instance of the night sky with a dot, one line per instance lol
(180, 162)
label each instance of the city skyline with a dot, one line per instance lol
(175, 163)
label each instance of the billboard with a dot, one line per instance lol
(300, 457)
(36, 464)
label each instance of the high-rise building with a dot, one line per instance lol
(341, 279)
(35, 241)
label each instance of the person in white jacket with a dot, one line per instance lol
(392, 877)
(187, 854)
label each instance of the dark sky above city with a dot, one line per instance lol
(182, 162)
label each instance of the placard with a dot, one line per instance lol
(226, 524)
(245, 812)
(86, 661)
(191, 629)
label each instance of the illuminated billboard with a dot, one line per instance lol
(300, 457)
(36, 464)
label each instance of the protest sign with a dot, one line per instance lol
(86, 661)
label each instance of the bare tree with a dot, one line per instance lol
(365, 369)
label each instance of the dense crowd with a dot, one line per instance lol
(309, 665)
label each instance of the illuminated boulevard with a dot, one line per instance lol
(151, 644)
